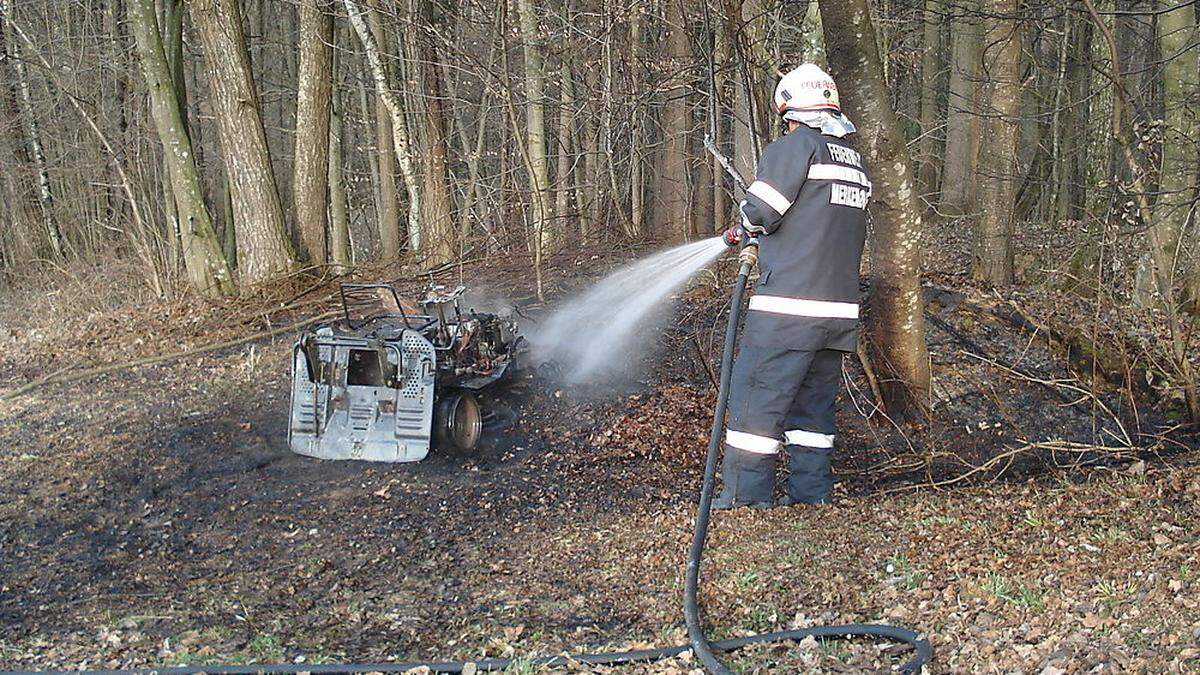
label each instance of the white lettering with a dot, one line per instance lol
(845, 195)
(841, 153)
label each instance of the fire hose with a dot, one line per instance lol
(704, 650)
(691, 605)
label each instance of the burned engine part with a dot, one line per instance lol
(390, 379)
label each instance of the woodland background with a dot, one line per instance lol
(207, 147)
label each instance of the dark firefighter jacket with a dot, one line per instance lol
(808, 201)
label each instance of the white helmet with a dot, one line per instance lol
(809, 95)
(806, 89)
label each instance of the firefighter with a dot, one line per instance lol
(807, 208)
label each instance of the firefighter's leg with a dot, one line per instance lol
(809, 431)
(762, 387)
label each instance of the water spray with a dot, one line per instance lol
(595, 332)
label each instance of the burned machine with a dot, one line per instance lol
(388, 379)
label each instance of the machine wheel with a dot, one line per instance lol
(459, 421)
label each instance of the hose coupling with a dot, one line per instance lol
(749, 253)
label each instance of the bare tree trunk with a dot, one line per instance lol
(288, 70)
(1077, 155)
(1138, 53)
(896, 322)
(931, 64)
(400, 139)
(638, 122)
(748, 28)
(998, 166)
(229, 236)
(585, 142)
(564, 164)
(595, 166)
(720, 195)
(1191, 289)
(962, 122)
(10, 150)
(606, 164)
(314, 87)
(204, 264)
(1178, 39)
(37, 153)
(437, 218)
(115, 100)
(535, 123)
(387, 198)
(341, 250)
(717, 81)
(1123, 134)
(170, 14)
(10, 115)
(264, 251)
(589, 201)
(673, 210)
(1074, 148)
(1136, 42)
(814, 36)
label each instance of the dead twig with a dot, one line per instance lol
(877, 407)
(1058, 384)
(724, 162)
(695, 340)
(57, 377)
(1009, 456)
(869, 371)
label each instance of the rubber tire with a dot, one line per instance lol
(458, 421)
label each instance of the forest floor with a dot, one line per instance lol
(154, 516)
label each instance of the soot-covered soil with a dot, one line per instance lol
(154, 516)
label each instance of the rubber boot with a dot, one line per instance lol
(810, 478)
(748, 480)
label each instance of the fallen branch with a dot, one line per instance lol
(1084, 355)
(851, 388)
(59, 376)
(1009, 456)
(1056, 383)
(869, 371)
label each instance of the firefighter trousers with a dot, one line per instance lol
(781, 398)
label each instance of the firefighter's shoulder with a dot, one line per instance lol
(797, 146)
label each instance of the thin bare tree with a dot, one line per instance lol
(998, 166)
(264, 251)
(33, 136)
(204, 264)
(314, 87)
(535, 127)
(957, 194)
(400, 137)
(673, 209)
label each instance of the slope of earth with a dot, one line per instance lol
(154, 516)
